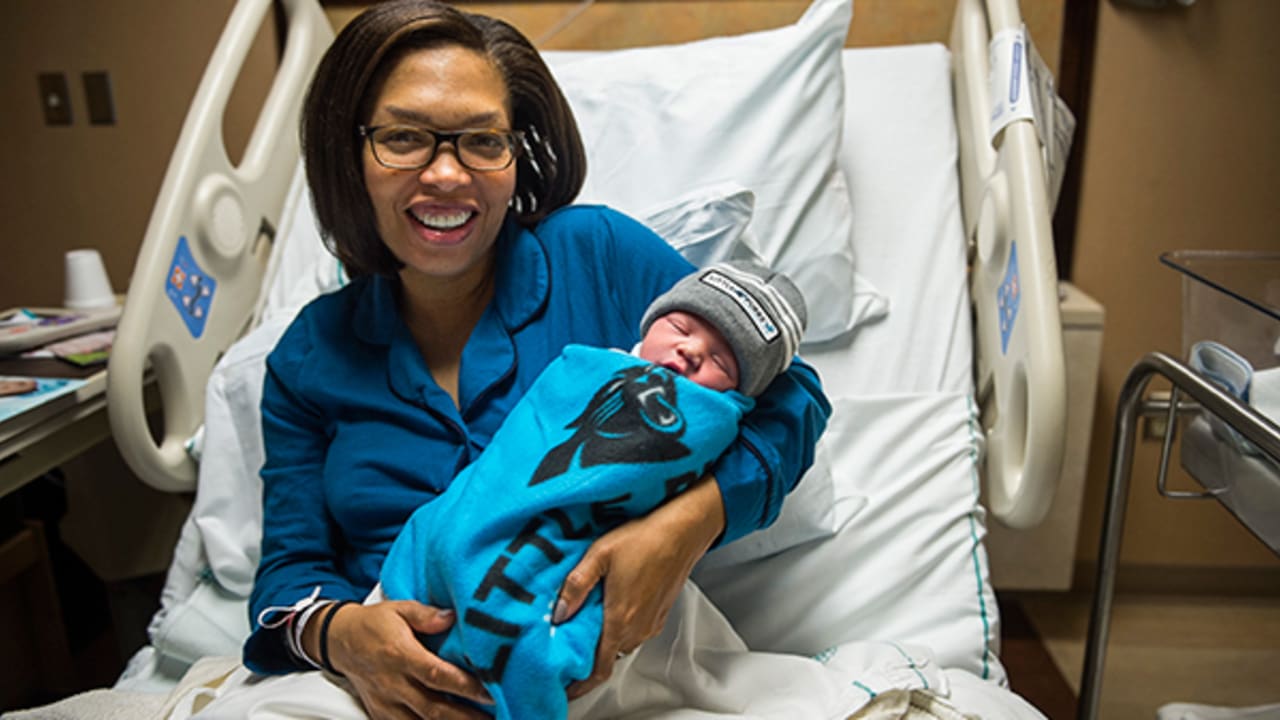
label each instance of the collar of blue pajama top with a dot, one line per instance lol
(520, 292)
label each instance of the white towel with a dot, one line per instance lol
(1188, 711)
(1233, 373)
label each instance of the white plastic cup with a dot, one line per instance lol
(87, 286)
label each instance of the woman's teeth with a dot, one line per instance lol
(444, 221)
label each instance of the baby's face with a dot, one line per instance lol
(687, 345)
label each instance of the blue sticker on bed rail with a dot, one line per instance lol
(190, 288)
(1007, 298)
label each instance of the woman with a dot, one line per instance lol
(441, 154)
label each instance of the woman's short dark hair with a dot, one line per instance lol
(550, 168)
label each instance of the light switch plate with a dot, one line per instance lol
(54, 98)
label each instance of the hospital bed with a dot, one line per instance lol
(917, 231)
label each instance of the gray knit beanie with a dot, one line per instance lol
(760, 312)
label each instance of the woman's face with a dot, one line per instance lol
(440, 221)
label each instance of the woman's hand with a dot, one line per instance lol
(644, 563)
(393, 674)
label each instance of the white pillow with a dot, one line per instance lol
(764, 110)
(708, 225)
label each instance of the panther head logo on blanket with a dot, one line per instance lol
(632, 418)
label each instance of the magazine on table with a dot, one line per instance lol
(24, 400)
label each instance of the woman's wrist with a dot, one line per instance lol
(700, 510)
(315, 642)
(325, 625)
(297, 630)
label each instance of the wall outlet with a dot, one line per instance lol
(55, 101)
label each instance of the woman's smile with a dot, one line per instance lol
(443, 221)
(438, 225)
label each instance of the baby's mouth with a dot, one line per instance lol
(673, 366)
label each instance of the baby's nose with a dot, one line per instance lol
(693, 350)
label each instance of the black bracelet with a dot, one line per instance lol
(324, 636)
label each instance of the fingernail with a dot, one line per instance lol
(447, 614)
(562, 609)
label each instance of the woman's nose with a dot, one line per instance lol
(444, 171)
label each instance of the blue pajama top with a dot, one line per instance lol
(358, 435)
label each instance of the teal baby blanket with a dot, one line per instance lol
(600, 437)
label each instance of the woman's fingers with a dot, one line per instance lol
(434, 705)
(573, 593)
(438, 674)
(628, 610)
(389, 667)
(608, 648)
(413, 700)
(426, 619)
(428, 705)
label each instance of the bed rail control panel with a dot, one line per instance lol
(190, 288)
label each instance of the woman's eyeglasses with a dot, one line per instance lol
(405, 147)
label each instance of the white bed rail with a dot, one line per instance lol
(1021, 375)
(199, 271)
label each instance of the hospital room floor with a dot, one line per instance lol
(1202, 649)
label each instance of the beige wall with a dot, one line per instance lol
(1182, 152)
(93, 186)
